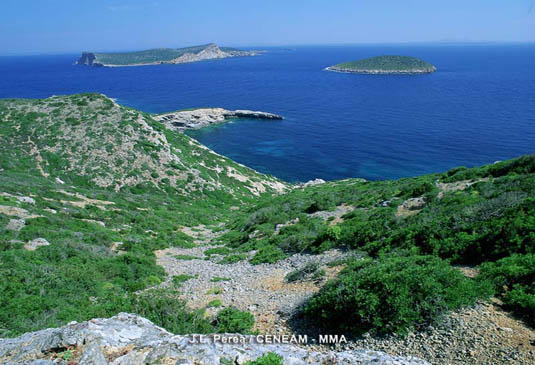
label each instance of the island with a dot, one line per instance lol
(385, 65)
(203, 117)
(161, 56)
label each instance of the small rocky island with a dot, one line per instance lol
(203, 117)
(385, 65)
(161, 56)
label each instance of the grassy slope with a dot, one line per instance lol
(386, 63)
(469, 216)
(145, 184)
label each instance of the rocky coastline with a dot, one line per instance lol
(204, 117)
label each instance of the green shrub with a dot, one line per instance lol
(216, 279)
(232, 259)
(392, 294)
(217, 251)
(269, 358)
(268, 254)
(215, 290)
(334, 233)
(232, 320)
(187, 257)
(514, 280)
(214, 303)
(182, 278)
(164, 308)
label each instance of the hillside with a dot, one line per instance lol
(105, 210)
(385, 65)
(101, 186)
(161, 56)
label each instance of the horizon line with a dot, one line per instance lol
(438, 42)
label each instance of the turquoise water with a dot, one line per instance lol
(478, 108)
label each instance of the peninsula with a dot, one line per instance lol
(385, 65)
(160, 56)
(203, 117)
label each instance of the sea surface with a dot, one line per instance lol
(479, 107)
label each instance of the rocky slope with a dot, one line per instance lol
(114, 146)
(161, 56)
(203, 117)
(127, 339)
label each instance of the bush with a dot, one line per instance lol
(514, 280)
(392, 294)
(232, 259)
(182, 278)
(165, 309)
(269, 358)
(268, 254)
(232, 320)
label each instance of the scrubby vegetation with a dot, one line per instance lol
(393, 293)
(232, 320)
(269, 358)
(468, 216)
(102, 187)
(514, 281)
(465, 216)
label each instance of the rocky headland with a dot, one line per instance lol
(203, 117)
(161, 56)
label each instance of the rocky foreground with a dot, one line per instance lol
(130, 339)
(203, 117)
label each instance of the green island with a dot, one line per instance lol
(96, 197)
(161, 56)
(385, 65)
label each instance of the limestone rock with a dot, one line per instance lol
(198, 118)
(93, 356)
(128, 339)
(35, 244)
(15, 224)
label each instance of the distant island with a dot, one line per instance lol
(385, 65)
(160, 56)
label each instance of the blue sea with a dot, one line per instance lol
(479, 107)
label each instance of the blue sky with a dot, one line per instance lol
(62, 26)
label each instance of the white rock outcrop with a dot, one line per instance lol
(203, 117)
(130, 339)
